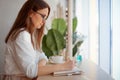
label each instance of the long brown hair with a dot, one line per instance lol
(21, 21)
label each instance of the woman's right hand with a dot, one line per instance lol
(69, 64)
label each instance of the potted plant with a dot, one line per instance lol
(54, 41)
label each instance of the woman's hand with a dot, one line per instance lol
(69, 64)
(42, 62)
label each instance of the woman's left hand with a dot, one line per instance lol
(42, 62)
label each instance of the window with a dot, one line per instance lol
(87, 14)
(94, 21)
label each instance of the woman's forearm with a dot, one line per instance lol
(44, 69)
(48, 69)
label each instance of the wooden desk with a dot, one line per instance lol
(91, 72)
(14, 77)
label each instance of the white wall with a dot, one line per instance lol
(8, 13)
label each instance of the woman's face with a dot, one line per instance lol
(38, 18)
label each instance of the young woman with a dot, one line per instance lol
(23, 56)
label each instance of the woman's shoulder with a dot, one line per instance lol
(23, 35)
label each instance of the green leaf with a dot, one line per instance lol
(75, 49)
(79, 43)
(45, 49)
(60, 25)
(55, 41)
(74, 24)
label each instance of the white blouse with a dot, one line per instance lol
(21, 58)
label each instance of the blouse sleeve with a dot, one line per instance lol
(25, 55)
(42, 56)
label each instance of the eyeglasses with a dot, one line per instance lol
(43, 16)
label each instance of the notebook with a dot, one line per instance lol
(74, 71)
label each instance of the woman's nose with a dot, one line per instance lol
(43, 21)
